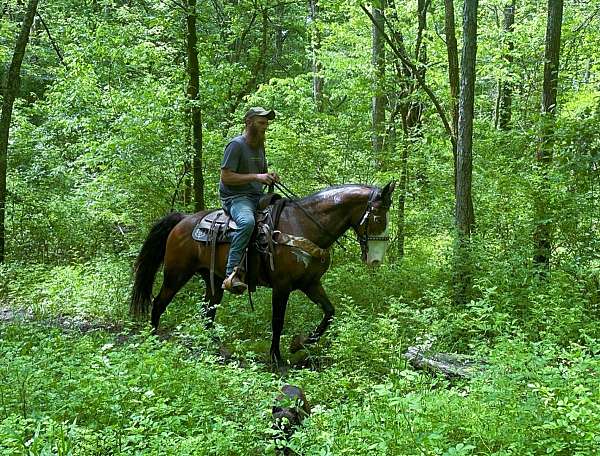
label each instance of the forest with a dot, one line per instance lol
(485, 114)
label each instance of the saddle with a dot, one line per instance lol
(217, 227)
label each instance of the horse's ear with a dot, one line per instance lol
(388, 189)
(386, 193)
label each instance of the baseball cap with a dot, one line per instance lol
(262, 112)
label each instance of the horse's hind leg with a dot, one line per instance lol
(316, 294)
(211, 300)
(172, 283)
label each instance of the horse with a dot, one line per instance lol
(319, 219)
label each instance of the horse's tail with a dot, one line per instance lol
(147, 263)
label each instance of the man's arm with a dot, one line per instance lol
(229, 177)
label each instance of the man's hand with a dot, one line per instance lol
(267, 178)
(228, 177)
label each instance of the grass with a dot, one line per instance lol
(96, 390)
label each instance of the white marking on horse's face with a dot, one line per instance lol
(376, 249)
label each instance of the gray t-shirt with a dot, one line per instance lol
(240, 158)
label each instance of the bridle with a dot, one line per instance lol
(363, 239)
(364, 221)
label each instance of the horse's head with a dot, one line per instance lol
(372, 230)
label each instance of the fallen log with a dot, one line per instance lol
(451, 365)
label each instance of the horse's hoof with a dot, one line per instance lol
(300, 359)
(281, 368)
(279, 365)
(298, 343)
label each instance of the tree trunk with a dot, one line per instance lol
(451, 365)
(465, 218)
(543, 230)
(411, 118)
(452, 50)
(378, 61)
(12, 89)
(397, 48)
(464, 202)
(504, 113)
(403, 184)
(316, 63)
(195, 111)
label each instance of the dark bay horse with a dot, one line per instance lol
(320, 218)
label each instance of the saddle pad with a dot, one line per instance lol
(214, 220)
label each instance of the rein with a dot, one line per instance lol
(293, 197)
(362, 239)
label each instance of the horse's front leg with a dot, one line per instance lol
(279, 302)
(316, 294)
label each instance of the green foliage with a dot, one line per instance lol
(99, 149)
(87, 395)
(85, 290)
(87, 390)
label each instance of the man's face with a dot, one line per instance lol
(258, 126)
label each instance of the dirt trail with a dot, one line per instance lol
(77, 323)
(124, 332)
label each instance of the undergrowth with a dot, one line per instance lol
(92, 391)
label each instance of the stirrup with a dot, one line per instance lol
(234, 284)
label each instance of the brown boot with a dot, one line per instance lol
(234, 284)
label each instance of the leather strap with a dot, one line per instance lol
(301, 243)
(213, 253)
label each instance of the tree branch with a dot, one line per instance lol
(401, 54)
(422, 12)
(54, 45)
(178, 4)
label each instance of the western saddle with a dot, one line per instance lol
(217, 227)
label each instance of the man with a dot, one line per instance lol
(243, 174)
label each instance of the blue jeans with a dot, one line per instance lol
(241, 210)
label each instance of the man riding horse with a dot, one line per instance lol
(305, 230)
(243, 174)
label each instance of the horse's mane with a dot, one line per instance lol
(319, 194)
